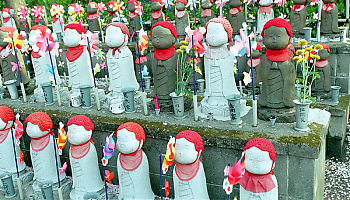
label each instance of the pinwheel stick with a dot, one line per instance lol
(239, 79)
(144, 101)
(53, 73)
(60, 196)
(255, 108)
(104, 172)
(160, 175)
(195, 107)
(228, 196)
(93, 74)
(19, 184)
(19, 73)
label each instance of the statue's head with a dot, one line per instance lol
(6, 12)
(80, 129)
(6, 117)
(38, 124)
(277, 34)
(156, 5)
(325, 52)
(218, 32)
(131, 5)
(259, 156)
(235, 3)
(188, 147)
(92, 7)
(300, 2)
(163, 35)
(130, 137)
(72, 34)
(206, 4)
(110, 6)
(39, 31)
(4, 33)
(117, 35)
(180, 4)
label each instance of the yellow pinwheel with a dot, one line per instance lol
(17, 39)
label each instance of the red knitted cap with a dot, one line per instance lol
(193, 137)
(132, 1)
(168, 25)
(122, 26)
(6, 114)
(279, 22)
(110, 3)
(42, 30)
(94, 3)
(225, 23)
(135, 128)
(7, 29)
(262, 144)
(181, 1)
(8, 10)
(41, 119)
(325, 46)
(159, 1)
(77, 27)
(81, 120)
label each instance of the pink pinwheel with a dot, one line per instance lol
(242, 42)
(38, 12)
(79, 9)
(103, 65)
(280, 2)
(22, 12)
(138, 8)
(251, 1)
(15, 66)
(220, 3)
(64, 167)
(42, 43)
(18, 128)
(93, 40)
(198, 35)
(101, 7)
(108, 149)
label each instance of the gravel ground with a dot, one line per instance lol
(337, 181)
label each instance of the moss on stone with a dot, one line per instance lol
(312, 139)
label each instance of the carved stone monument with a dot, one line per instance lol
(236, 16)
(207, 13)
(298, 18)
(7, 16)
(265, 14)
(181, 19)
(134, 17)
(329, 20)
(93, 17)
(111, 10)
(323, 84)
(57, 20)
(157, 14)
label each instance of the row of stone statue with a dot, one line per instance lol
(298, 14)
(132, 163)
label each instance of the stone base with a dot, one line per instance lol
(283, 115)
(66, 185)
(335, 147)
(25, 176)
(78, 195)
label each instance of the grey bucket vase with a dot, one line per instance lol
(48, 94)
(47, 191)
(200, 85)
(178, 103)
(85, 96)
(7, 183)
(234, 104)
(12, 88)
(129, 103)
(335, 94)
(91, 196)
(301, 115)
(147, 80)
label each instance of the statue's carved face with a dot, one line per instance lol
(323, 54)
(77, 135)
(127, 142)
(32, 37)
(91, 8)
(4, 125)
(162, 38)
(110, 8)
(180, 6)
(156, 6)
(3, 35)
(185, 151)
(131, 7)
(206, 4)
(300, 2)
(5, 14)
(257, 161)
(115, 37)
(216, 34)
(235, 3)
(276, 38)
(329, 1)
(71, 37)
(34, 131)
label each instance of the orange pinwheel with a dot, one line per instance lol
(169, 156)
(62, 138)
(21, 156)
(109, 176)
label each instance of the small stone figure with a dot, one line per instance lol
(132, 163)
(93, 17)
(182, 19)
(7, 161)
(113, 15)
(120, 63)
(236, 16)
(218, 65)
(329, 20)
(40, 56)
(265, 14)
(157, 14)
(7, 15)
(79, 66)
(188, 174)
(7, 57)
(39, 126)
(39, 14)
(57, 20)
(256, 54)
(83, 157)
(278, 76)
(259, 180)
(165, 59)
(206, 13)
(323, 84)
(135, 10)
(23, 20)
(298, 18)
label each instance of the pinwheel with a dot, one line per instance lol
(242, 42)
(280, 2)
(234, 175)
(79, 9)
(108, 150)
(103, 65)
(18, 129)
(93, 40)
(15, 66)
(22, 12)
(17, 39)
(167, 3)
(50, 69)
(99, 54)
(109, 176)
(57, 10)
(169, 156)
(197, 36)
(64, 167)
(38, 12)
(101, 7)
(118, 6)
(42, 43)
(166, 188)
(21, 156)
(220, 3)
(192, 4)
(138, 8)
(143, 41)
(62, 138)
